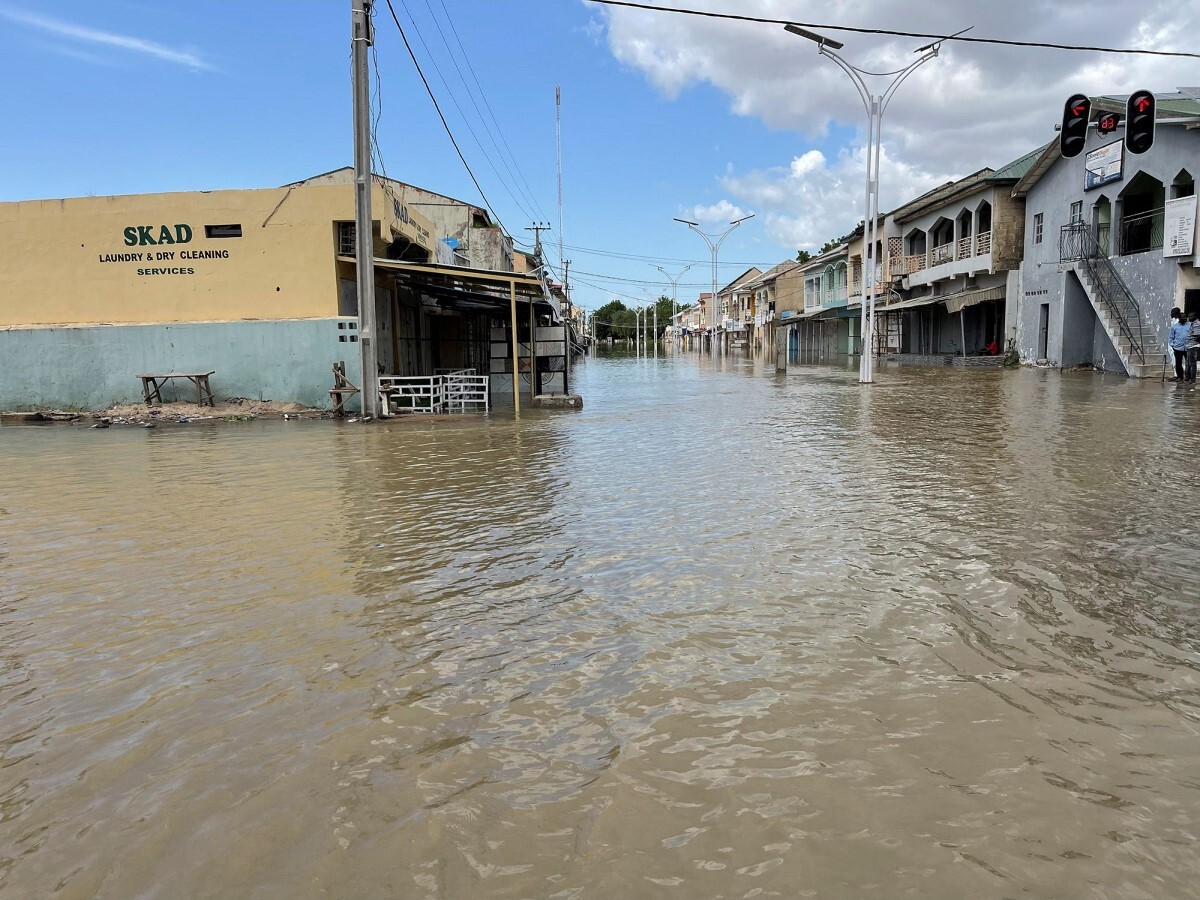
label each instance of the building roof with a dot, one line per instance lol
(1016, 169)
(1167, 106)
(774, 272)
(347, 172)
(750, 273)
(943, 195)
(825, 258)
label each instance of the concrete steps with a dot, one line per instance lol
(1152, 367)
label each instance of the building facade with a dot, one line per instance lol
(245, 283)
(260, 288)
(1110, 245)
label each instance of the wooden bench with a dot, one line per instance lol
(152, 386)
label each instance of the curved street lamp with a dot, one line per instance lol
(674, 303)
(875, 106)
(714, 247)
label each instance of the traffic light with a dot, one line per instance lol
(1139, 121)
(1073, 134)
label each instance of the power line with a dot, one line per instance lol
(528, 192)
(640, 280)
(652, 259)
(488, 157)
(445, 124)
(884, 31)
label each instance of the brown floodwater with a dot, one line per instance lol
(720, 634)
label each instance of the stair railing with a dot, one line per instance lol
(1076, 243)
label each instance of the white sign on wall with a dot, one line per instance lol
(1179, 226)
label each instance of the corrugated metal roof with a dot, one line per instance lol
(1173, 105)
(942, 195)
(1016, 169)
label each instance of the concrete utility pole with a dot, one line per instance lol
(362, 37)
(537, 228)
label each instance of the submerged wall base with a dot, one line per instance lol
(93, 367)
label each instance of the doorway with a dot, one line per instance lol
(1044, 332)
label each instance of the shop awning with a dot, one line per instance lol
(957, 302)
(459, 287)
(907, 304)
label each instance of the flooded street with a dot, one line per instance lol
(720, 634)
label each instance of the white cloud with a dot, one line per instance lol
(813, 200)
(721, 211)
(93, 36)
(975, 105)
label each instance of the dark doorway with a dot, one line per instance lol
(1191, 302)
(1044, 332)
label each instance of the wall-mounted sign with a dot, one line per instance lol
(159, 235)
(1179, 226)
(1103, 165)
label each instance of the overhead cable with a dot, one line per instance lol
(891, 33)
(445, 124)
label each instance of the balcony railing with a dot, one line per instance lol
(983, 243)
(943, 253)
(964, 247)
(834, 297)
(1142, 233)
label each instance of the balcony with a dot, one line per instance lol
(834, 297)
(942, 254)
(1141, 233)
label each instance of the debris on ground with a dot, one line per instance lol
(234, 409)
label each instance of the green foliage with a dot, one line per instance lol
(803, 256)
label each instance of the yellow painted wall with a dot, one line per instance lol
(65, 261)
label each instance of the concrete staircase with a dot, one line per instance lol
(1145, 361)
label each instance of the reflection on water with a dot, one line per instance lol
(721, 634)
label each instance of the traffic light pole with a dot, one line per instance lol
(875, 106)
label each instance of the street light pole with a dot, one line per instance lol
(714, 247)
(875, 106)
(674, 302)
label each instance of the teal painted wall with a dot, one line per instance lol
(97, 366)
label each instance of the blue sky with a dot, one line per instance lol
(663, 115)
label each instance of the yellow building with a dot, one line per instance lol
(257, 286)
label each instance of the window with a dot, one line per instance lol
(222, 231)
(1037, 228)
(1076, 212)
(346, 239)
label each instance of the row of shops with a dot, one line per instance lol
(1046, 261)
(259, 288)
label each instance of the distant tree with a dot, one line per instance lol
(608, 316)
(665, 311)
(803, 256)
(830, 245)
(624, 323)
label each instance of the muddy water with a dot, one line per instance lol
(721, 634)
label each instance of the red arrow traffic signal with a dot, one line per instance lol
(1139, 125)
